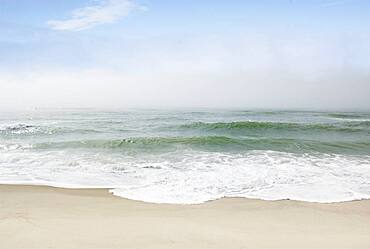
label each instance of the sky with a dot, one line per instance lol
(287, 54)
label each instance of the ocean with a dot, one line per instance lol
(191, 156)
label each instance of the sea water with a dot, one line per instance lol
(191, 156)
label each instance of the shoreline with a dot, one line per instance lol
(111, 189)
(37, 216)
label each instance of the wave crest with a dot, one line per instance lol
(18, 128)
(213, 143)
(259, 125)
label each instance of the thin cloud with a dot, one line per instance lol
(103, 12)
(332, 3)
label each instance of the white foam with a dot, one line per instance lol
(195, 177)
(18, 128)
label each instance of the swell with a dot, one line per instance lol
(30, 129)
(345, 115)
(281, 126)
(214, 143)
(18, 129)
(141, 142)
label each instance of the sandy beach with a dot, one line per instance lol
(46, 217)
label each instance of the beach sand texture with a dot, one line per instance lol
(46, 217)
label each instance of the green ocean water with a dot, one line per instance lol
(149, 154)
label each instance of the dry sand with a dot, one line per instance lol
(45, 217)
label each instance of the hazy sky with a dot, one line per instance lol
(185, 53)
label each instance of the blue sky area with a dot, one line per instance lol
(201, 44)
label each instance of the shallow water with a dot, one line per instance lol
(191, 156)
